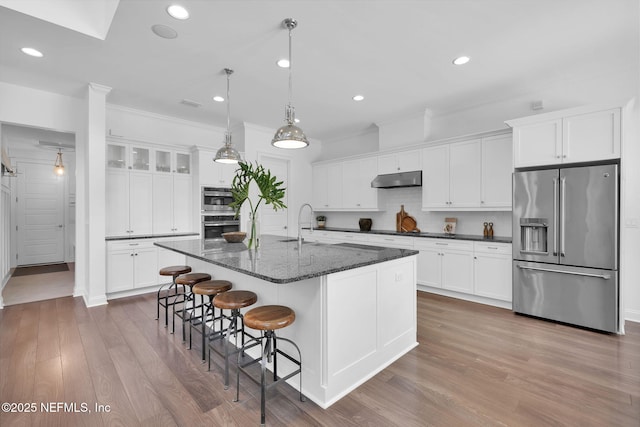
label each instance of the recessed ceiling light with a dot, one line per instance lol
(283, 63)
(461, 60)
(32, 52)
(164, 31)
(218, 98)
(178, 11)
(358, 98)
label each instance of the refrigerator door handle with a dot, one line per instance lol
(563, 188)
(555, 216)
(600, 276)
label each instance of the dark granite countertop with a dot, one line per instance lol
(279, 260)
(474, 237)
(149, 236)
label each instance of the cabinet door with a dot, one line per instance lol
(435, 177)
(140, 203)
(457, 270)
(409, 161)
(227, 173)
(334, 185)
(492, 276)
(117, 203)
(591, 137)
(145, 267)
(357, 175)
(320, 179)
(351, 185)
(119, 270)
(162, 161)
(465, 174)
(183, 163)
(117, 156)
(163, 203)
(428, 268)
(537, 144)
(182, 204)
(387, 164)
(140, 158)
(496, 172)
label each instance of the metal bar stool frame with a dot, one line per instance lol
(167, 287)
(188, 297)
(268, 342)
(202, 320)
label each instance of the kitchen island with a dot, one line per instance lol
(355, 305)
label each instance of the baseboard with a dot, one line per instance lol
(631, 315)
(467, 297)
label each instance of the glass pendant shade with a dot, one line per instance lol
(290, 136)
(58, 168)
(228, 154)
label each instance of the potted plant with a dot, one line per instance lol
(270, 191)
(321, 220)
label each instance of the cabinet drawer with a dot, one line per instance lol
(392, 241)
(130, 244)
(427, 243)
(494, 248)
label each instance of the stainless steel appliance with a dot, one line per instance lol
(216, 199)
(215, 224)
(565, 245)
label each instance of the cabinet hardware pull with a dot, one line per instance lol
(600, 276)
(442, 244)
(491, 247)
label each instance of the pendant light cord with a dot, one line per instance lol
(290, 70)
(228, 137)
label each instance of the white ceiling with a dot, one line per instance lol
(396, 53)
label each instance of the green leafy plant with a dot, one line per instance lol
(321, 218)
(271, 192)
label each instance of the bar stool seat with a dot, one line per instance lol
(187, 280)
(234, 301)
(208, 288)
(170, 289)
(268, 319)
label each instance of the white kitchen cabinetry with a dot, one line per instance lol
(569, 136)
(172, 203)
(327, 186)
(131, 264)
(492, 270)
(357, 193)
(128, 202)
(452, 176)
(445, 264)
(403, 161)
(391, 241)
(496, 167)
(214, 174)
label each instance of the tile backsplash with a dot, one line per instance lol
(389, 201)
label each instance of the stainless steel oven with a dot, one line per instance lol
(214, 224)
(216, 199)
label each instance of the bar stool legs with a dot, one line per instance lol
(209, 288)
(268, 319)
(168, 290)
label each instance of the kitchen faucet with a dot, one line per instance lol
(300, 225)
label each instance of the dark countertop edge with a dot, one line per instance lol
(148, 236)
(405, 253)
(473, 237)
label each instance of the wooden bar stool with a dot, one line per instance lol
(187, 281)
(234, 301)
(267, 319)
(209, 288)
(169, 290)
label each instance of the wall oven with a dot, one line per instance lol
(216, 199)
(213, 225)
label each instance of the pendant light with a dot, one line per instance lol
(290, 136)
(228, 154)
(58, 168)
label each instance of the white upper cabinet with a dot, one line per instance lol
(468, 175)
(496, 171)
(569, 136)
(327, 186)
(129, 203)
(404, 161)
(168, 161)
(128, 156)
(214, 174)
(357, 176)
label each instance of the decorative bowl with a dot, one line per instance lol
(234, 236)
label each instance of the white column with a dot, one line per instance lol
(91, 251)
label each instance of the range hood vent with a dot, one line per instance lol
(398, 180)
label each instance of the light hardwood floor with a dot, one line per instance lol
(475, 365)
(39, 287)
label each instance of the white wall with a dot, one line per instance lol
(351, 145)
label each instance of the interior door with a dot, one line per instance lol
(271, 221)
(40, 213)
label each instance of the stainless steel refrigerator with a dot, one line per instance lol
(565, 245)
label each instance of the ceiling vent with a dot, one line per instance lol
(191, 103)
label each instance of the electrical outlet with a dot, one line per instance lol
(399, 277)
(632, 222)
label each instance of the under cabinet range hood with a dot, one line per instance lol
(398, 180)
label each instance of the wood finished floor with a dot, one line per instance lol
(475, 365)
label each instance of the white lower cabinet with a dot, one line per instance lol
(492, 270)
(131, 264)
(445, 264)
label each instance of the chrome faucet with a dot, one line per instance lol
(300, 225)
